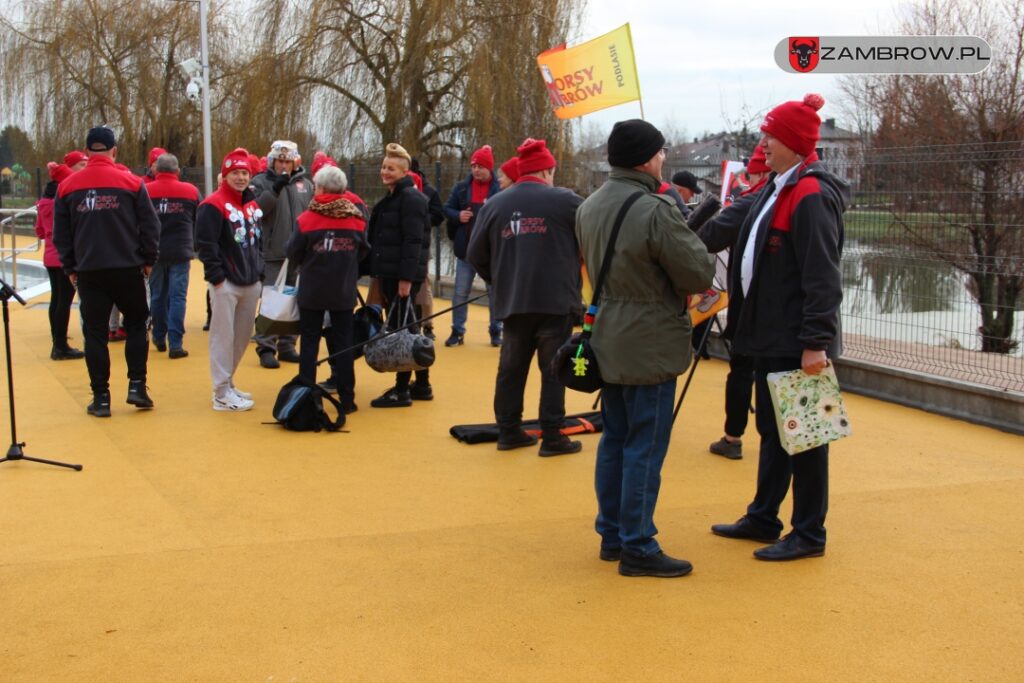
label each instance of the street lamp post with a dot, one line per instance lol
(204, 56)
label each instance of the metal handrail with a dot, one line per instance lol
(14, 249)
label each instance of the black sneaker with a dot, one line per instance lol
(100, 406)
(559, 445)
(161, 346)
(137, 395)
(177, 353)
(288, 356)
(658, 564)
(329, 385)
(66, 353)
(496, 338)
(455, 340)
(393, 398)
(514, 438)
(418, 392)
(727, 449)
(267, 360)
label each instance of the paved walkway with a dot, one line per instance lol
(207, 546)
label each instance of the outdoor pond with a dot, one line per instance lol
(890, 294)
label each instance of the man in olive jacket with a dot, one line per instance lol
(641, 336)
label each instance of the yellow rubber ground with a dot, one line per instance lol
(205, 546)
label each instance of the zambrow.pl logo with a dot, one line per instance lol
(883, 54)
(803, 53)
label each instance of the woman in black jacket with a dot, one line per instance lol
(398, 225)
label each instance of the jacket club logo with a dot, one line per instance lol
(803, 53)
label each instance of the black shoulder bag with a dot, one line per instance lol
(575, 364)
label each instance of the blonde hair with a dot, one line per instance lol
(396, 151)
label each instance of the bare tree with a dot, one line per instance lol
(974, 169)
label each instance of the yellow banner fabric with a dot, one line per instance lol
(597, 74)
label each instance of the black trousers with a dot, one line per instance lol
(311, 329)
(739, 387)
(776, 468)
(525, 335)
(99, 290)
(62, 293)
(389, 290)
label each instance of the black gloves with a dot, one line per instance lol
(280, 183)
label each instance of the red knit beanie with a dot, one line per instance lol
(534, 156)
(511, 169)
(73, 157)
(483, 157)
(320, 159)
(757, 162)
(154, 153)
(796, 124)
(236, 159)
(58, 172)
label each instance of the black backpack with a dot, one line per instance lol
(299, 408)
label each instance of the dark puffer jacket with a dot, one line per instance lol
(399, 225)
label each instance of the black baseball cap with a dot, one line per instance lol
(100, 139)
(687, 180)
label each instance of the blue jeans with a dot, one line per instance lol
(637, 427)
(464, 276)
(168, 288)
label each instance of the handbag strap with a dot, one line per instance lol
(282, 275)
(588, 319)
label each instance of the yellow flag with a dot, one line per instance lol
(597, 74)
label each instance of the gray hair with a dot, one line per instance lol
(167, 163)
(331, 179)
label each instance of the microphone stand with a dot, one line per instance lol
(17, 450)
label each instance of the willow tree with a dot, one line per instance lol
(436, 75)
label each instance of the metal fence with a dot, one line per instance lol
(933, 263)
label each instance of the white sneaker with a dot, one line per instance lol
(232, 402)
(241, 394)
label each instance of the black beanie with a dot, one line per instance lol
(633, 143)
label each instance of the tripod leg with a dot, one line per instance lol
(77, 468)
(689, 378)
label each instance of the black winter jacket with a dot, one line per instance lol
(229, 233)
(796, 288)
(399, 224)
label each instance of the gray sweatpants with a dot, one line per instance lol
(234, 312)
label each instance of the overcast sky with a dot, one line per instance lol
(698, 60)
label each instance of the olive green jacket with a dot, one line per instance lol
(642, 331)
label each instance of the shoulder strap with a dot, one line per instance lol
(333, 425)
(611, 248)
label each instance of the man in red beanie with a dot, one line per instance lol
(76, 160)
(524, 247)
(229, 235)
(784, 312)
(107, 236)
(464, 203)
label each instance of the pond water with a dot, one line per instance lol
(894, 295)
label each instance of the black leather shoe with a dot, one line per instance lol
(100, 406)
(792, 547)
(288, 356)
(611, 554)
(659, 564)
(177, 353)
(744, 529)
(559, 445)
(514, 438)
(267, 360)
(329, 385)
(137, 395)
(392, 398)
(161, 346)
(66, 353)
(418, 392)
(454, 340)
